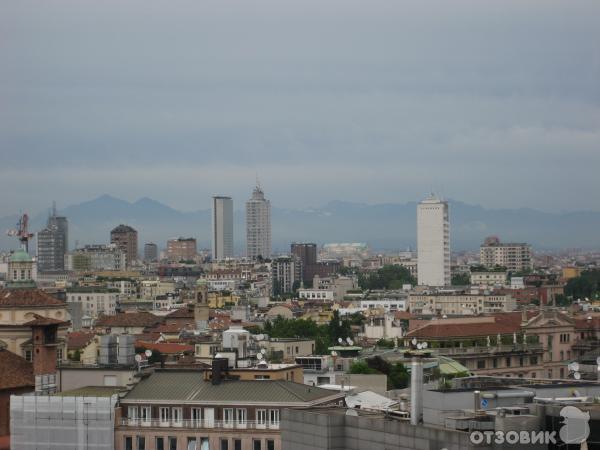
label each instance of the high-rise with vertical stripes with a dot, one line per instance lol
(222, 228)
(258, 225)
(433, 242)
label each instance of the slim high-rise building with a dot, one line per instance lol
(306, 253)
(126, 239)
(258, 225)
(222, 228)
(433, 242)
(53, 243)
(150, 252)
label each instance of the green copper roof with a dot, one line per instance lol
(183, 385)
(20, 256)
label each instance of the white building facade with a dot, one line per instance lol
(258, 225)
(433, 242)
(222, 228)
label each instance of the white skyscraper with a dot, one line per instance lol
(433, 242)
(258, 225)
(222, 228)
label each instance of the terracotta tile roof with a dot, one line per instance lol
(583, 323)
(40, 321)
(135, 319)
(438, 329)
(166, 347)
(164, 328)
(187, 312)
(403, 315)
(16, 372)
(27, 297)
(78, 339)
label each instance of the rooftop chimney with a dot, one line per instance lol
(219, 369)
(416, 391)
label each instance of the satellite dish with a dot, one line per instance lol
(148, 353)
(444, 316)
(577, 375)
(598, 360)
(414, 341)
(575, 366)
(424, 345)
(350, 341)
(419, 346)
(263, 350)
(340, 340)
(259, 356)
(334, 353)
(138, 358)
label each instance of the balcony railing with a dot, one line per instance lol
(493, 349)
(206, 423)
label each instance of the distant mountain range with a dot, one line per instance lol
(384, 226)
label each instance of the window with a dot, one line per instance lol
(160, 443)
(481, 363)
(256, 444)
(204, 443)
(141, 443)
(533, 360)
(172, 442)
(495, 363)
(59, 354)
(261, 417)
(228, 416)
(521, 361)
(241, 416)
(270, 444)
(164, 414)
(191, 443)
(274, 417)
(237, 444)
(224, 444)
(132, 412)
(508, 361)
(145, 413)
(128, 443)
(177, 415)
(197, 416)
(28, 355)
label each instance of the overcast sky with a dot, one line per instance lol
(489, 102)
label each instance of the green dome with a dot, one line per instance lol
(20, 256)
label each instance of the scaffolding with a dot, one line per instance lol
(40, 422)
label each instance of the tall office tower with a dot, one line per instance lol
(258, 225)
(126, 239)
(306, 253)
(53, 243)
(150, 252)
(222, 228)
(433, 242)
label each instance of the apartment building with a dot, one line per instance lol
(460, 303)
(515, 257)
(174, 409)
(94, 301)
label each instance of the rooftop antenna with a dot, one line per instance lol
(53, 208)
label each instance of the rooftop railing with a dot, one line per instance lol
(201, 423)
(480, 350)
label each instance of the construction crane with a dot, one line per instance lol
(22, 232)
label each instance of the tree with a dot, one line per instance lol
(361, 367)
(587, 285)
(461, 279)
(388, 277)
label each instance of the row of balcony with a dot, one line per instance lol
(509, 348)
(206, 423)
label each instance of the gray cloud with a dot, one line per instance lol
(490, 102)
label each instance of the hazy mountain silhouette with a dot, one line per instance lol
(382, 226)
